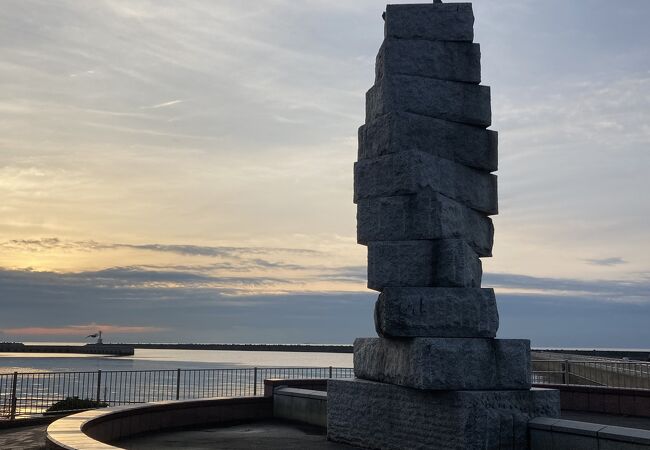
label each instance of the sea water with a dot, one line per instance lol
(47, 378)
(152, 359)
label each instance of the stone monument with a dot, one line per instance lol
(436, 377)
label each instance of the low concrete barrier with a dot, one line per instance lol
(301, 405)
(620, 401)
(558, 434)
(291, 400)
(96, 429)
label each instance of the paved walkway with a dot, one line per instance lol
(269, 435)
(23, 438)
(261, 435)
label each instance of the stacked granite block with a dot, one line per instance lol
(423, 184)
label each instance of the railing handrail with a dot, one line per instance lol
(591, 361)
(23, 393)
(94, 372)
(27, 393)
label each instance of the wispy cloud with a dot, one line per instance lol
(35, 245)
(81, 330)
(163, 105)
(190, 311)
(612, 261)
(621, 291)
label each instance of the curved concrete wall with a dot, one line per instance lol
(96, 429)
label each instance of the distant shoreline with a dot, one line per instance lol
(312, 348)
(633, 354)
(642, 355)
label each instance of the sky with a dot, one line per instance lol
(182, 171)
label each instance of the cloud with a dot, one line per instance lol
(81, 330)
(194, 307)
(618, 291)
(186, 312)
(357, 274)
(613, 261)
(214, 251)
(36, 245)
(231, 270)
(566, 321)
(219, 125)
(139, 278)
(163, 105)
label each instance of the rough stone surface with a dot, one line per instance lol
(457, 265)
(449, 100)
(399, 131)
(389, 417)
(453, 61)
(443, 263)
(445, 363)
(436, 378)
(401, 263)
(436, 312)
(437, 21)
(412, 172)
(427, 215)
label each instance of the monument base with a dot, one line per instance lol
(386, 416)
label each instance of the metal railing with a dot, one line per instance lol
(25, 394)
(608, 373)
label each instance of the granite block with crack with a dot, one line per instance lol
(397, 132)
(453, 61)
(442, 263)
(426, 215)
(436, 312)
(413, 172)
(450, 100)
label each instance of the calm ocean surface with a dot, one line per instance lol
(146, 359)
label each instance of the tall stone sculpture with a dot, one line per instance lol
(437, 377)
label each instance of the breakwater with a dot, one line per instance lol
(88, 349)
(312, 348)
(635, 355)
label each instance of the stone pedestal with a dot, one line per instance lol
(436, 378)
(386, 416)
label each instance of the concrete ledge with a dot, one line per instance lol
(95, 429)
(301, 405)
(312, 384)
(559, 434)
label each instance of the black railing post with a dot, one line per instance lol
(178, 384)
(567, 372)
(14, 400)
(99, 386)
(330, 371)
(255, 381)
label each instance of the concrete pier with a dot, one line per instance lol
(88, 349)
